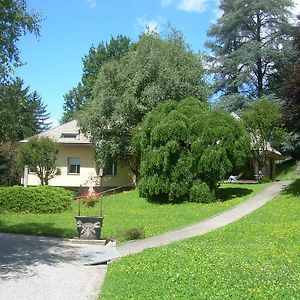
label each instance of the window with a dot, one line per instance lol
(110, 168)
(69, 135)
(73, 165)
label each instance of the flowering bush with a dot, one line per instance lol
(90, 198)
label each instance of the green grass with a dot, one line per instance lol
(254, 258)
(125, 211)
(287, 170)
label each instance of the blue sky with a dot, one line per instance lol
(70, 27)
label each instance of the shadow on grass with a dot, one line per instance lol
(284, 167)
(294, 188)
(223, 194)
(228, 193)
(20, 254)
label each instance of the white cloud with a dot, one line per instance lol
(165, 3)
(198, 6)
(217, 12)
(91, 3)
(148, 25)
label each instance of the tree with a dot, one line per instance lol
(185, 146)
(10, 171)
(234, 103)
(154, 71)
(15, 22)
(39, 155)
(22, 114)
(263, 121)
(249, 42)
(287, 86)
(92, 62)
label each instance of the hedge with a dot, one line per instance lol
(40, 199)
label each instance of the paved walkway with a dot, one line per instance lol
(38, 268)
(225, 218)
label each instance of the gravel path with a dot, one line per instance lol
(46, 268)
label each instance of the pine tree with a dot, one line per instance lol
(248, 42)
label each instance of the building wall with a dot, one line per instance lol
(87, 170)
(124, 176)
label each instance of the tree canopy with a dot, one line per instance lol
(92, 62)
(154, 70)
(15, 21)
(39, 155)
(185, 145)
(248, 43)
(263, 121)
(22, 114)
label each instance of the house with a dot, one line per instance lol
(77, 164)
(269, 155)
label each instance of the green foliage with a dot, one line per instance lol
(154, 70)
(249, 42)
(263, 121)
(15, 22)
(22, 114)
(235, 103)
(39, 199)
(288, 170)
(10, 170)
(39, 154)
(245, 260)
(127, 210)
(287, 87)
(183, 142)
(135, 233)
(200, 192)
(92, 62)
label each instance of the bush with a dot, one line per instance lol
(134, 233)
(183, 142)
(200, 192)
(40, 199)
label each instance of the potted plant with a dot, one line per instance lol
(89, 227)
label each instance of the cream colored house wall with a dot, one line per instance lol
(87, 169)
(124, 177)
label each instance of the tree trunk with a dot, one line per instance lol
(259, 59)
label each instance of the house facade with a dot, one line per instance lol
(77, 164)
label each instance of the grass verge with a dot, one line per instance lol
(254, 258)
(125, 211)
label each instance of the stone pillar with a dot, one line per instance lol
(25, 181)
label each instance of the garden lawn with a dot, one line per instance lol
(254, 258)
(126, 211)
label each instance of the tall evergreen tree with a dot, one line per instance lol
(92, 62)
(248, 43)
(22, 113)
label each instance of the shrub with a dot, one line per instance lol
(182, 142)
(200, 192)
(40, 199)
(134, 233)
